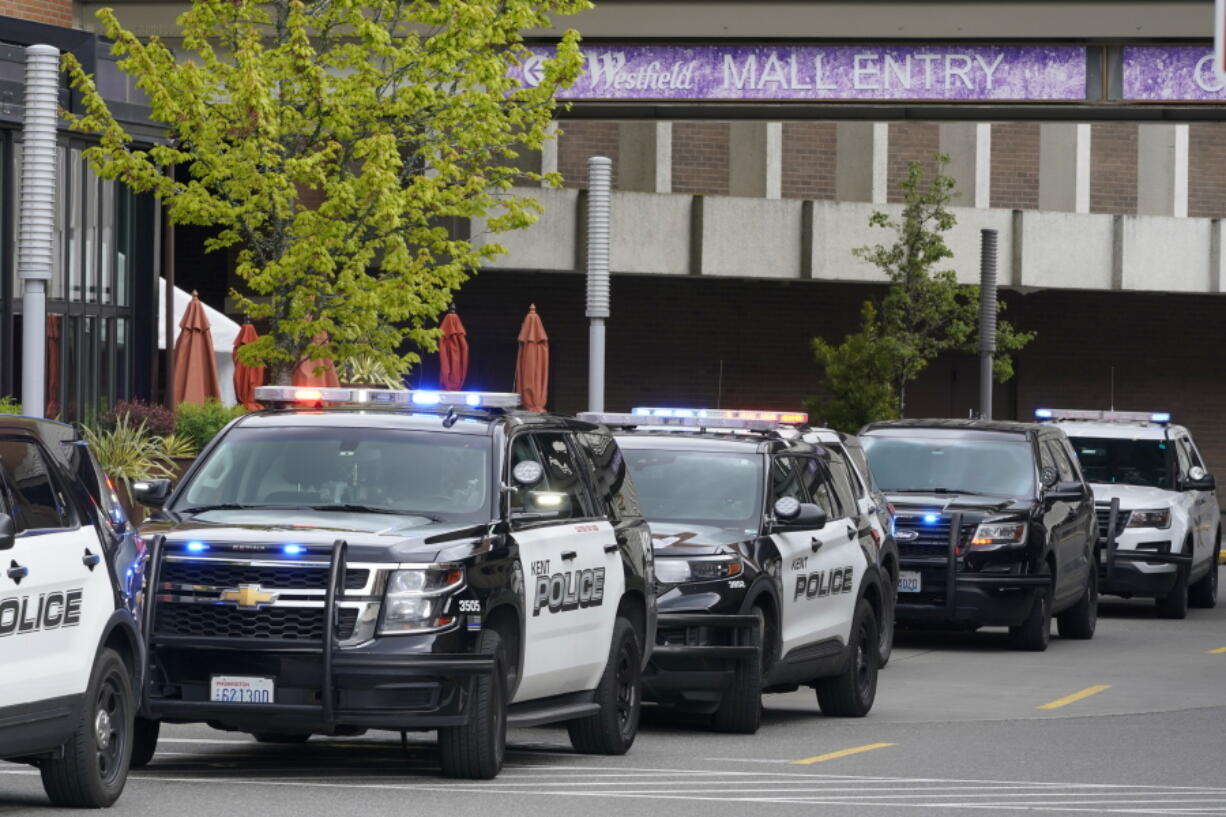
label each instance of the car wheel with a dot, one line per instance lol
(282, 737)
(92, 770)
(886, 626)
(851, 693)
(475, 750)
(1033, 634)
(144, 741)
(612, 730)
(1175, 605)
(1080, 620)
(1203, 594)
(740, 710)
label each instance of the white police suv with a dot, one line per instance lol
(70, 656)
(1160, 527)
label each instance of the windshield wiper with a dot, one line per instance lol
(220, 507)
(936, 491)
(348, 508)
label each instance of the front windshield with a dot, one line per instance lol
(442, 476)
(698, 487)
(952, 464)
(1125, 462)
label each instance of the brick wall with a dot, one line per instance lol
(910, 142)
(581, 140)
(1015, 165)
(808, 160)
(1207, 170)
(700, 157)
(54, 12)
(1113, 167)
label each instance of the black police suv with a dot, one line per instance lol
(995, 526)
(70, 644)
(767, 571)
(409, 561)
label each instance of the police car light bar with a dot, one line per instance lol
(424, 398)
(698, 418)
(1159, 417)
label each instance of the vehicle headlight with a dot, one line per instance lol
(1155, 518)
(989, 534)
(674, 570)
(415, 599)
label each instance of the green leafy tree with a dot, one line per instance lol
(924, 312)
(330, 142)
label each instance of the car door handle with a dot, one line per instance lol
(851, 533)
(90, 560)
(816, 544)
(18, 572)
(613, 548)
(568, 555)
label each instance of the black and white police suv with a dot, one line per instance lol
(1159, 524)
(995, 526)
(405, 561)
(70, 645)
(767, 571)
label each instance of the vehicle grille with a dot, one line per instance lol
(290, 577)
(1103, 512)
(271, 623)
(933, 538)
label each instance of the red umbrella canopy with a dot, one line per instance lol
(195, 366)
(532, 363)
(318, 373)
(452, 353)
(246, 378)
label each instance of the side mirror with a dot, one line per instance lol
(1066, 492)
(8, 531)
(791, 514)
(545, 505)
(152, 493)
(1199, 482)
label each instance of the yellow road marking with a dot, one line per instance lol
(841, 753)
(1076, 696)
(1218, 651)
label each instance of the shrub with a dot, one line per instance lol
(200, 422)
(178, 447)
(158, 421)
(8, 405)
(128, 452)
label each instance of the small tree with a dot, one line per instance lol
(330, 141)
(924, 312)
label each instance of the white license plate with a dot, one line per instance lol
(241, 689)
(908, 581)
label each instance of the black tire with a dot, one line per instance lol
(475, 750)
(1080, 620)
(740, 710)
(612, 730)
(1203, 594)
(885, 626)
(851, 693)
(94, 765)
(144, 741)
(282, 737)
(1034, 634)
(1175, 605)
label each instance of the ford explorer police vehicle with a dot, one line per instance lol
(767, 570)
(995, 526)
(1159, 524)
(405, 561)
(70, 643)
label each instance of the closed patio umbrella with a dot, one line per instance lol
(53, 366)
(195, 366)
(532, 363)
(319, 373)
(246, 378)
(452, 353)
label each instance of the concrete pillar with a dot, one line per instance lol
(646, 153)
(1162, 170)
(861, 161)
(1064, 167)
(755, 159)
(969, 148)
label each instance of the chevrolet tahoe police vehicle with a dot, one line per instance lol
(402, 560)
(995, 526)
(70, 645)
(1159, 524)
(768, 574)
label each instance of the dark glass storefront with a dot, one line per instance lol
(101, 318)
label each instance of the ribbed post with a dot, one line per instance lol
(987, 319)
(36, 230)
(599, 216)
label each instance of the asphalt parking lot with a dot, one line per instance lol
(1133, 722)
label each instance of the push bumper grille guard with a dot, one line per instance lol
(745, 636)
(1115, 555)
(953, 578)
(333, 662)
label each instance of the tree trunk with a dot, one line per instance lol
(281, 374)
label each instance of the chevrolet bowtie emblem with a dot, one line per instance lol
(249, 595)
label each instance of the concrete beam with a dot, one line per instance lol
(969, 147)
(755, 159)
(1064, 167)
(1162, 170)
(861, 161)
(645, 150)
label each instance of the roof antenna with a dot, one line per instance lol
(451, 417)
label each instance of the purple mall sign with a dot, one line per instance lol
(927, 73)
(1171, 73)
